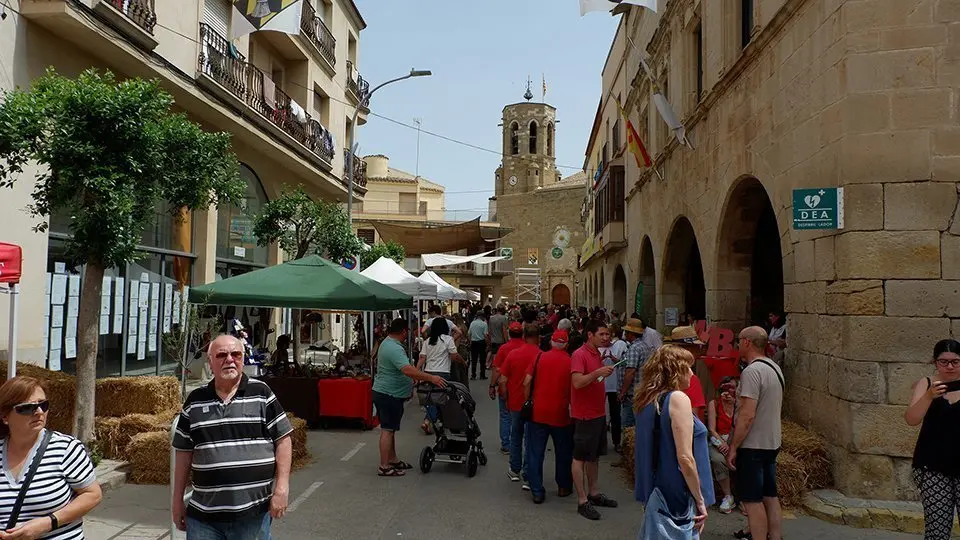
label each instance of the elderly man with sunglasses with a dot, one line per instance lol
(237, 488)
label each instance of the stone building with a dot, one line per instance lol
(294, 135)
(538, 206)
(777, 95)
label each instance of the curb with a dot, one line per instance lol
(894, 516)
(112, 474)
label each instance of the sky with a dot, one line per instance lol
(481, 54)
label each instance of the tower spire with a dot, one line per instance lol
(528, 95)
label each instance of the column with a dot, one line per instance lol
(205, 245)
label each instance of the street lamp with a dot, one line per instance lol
(365, 103)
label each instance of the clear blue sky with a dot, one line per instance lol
(480, 53)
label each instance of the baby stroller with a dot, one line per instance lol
(456, 431)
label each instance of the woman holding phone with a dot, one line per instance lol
(936, 458)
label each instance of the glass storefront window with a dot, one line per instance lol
(235, 239)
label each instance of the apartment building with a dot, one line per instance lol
(287, 100)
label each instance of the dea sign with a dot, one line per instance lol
(820, 208)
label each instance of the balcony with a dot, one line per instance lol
(135, 18)
(359, 171)
(394, 208)
(318, 35)
(228, 68)
(359, 88)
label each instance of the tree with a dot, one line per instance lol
(301, 226)
(110, 152)
(390, 250)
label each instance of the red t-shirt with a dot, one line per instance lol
(504, 350)
(695, 393)
(551, 388)
(554, 320)
(590, 401)
(722, 366)
(515, 370)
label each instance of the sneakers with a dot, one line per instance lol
(504, 450)
(526, 485)
(513, 476)
(726, 506)
(588, 511)
(602, 500)
(538, 499)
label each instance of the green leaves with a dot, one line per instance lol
(113, 151)
(391, 250)
(303, 226)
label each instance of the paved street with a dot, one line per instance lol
(340, 497)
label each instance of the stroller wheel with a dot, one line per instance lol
(426, 459)
(473, 461)
(482, 457)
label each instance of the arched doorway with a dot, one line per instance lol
(647, 286)
(560, 295)
(682, 280)
(749, 258)
(620, 290)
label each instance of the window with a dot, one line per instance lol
(533, 137)
(615, 136)
(514, 139)
(746, 22)
(235, 239)
(321, 108)
(367, 235)
(698, 63)
(423, 208)
(408, 203)
(216, 13)
(550, 139)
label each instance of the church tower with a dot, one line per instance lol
(529, 154)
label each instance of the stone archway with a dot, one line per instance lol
(682, 282)
(560, 295)
(749, 282)
(647, 287)
(620, 290)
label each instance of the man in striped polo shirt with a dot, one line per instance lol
(234, 436)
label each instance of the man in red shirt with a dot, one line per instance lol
(549, 382)
(516, 340)
(515, 370)
(588, 401)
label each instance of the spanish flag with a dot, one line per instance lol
(634, 143)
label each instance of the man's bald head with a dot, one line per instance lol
(224, 340)
(757, 337)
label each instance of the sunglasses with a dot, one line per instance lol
(26, 409)
(238, 355)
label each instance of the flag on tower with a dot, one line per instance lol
(544, 78)
(586, 6)
(634, 143)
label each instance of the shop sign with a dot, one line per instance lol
(671, 317)
(820, 208)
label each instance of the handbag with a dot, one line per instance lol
(22, 494)
(526, 412)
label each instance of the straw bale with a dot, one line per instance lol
(149, 456)
(811, 449)
(114, 434)
(119, 396)
(627, 447)
(61, 390)
(298, 439)
(791, 479)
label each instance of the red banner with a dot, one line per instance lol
(11, 263)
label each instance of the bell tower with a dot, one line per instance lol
(529, 147)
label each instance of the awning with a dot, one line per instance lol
(388, 272)
(420, 239)
(443, 259)
(445, 291)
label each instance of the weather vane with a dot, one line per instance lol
(529, 93)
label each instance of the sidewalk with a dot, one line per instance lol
(835, 507)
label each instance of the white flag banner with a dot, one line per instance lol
(586, 6)
(670, 117)
(254, 15)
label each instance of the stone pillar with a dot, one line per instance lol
(205, 245)
(497, 293)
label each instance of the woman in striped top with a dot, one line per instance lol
(64, 488)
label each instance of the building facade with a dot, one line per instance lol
(778, 95)
(287, 101)
(538, 206)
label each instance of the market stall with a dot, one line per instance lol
(445, 291)
(312, 283)
(391, 274)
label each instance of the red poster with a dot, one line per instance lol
(11, 263)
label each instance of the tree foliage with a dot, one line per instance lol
(390, 250)
(301, 226)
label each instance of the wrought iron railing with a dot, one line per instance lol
(318, 33)
(221, 61)
(141, 12)
(359, 169)
(356, 84)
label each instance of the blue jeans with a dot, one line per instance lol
(627, 418)
(537, 435)
(504, 424)
(432, 409)
(249, 528)
(518, 431)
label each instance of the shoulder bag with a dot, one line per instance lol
(526, 412)
(22, 494)
(775, 372)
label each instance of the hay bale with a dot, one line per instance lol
(627, 448)
(119, 396)
(61, 390)
(114, 434)
(811, 449)
(149, 456)
(298, 438)
(791, 479)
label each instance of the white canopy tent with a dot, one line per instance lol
(391, 274)
(443, 259)
(445, 291)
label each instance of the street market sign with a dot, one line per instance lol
(819, 208)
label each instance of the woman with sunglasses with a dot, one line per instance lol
(936, 458)
(62, 490)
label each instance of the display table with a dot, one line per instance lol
(347, 398)
(297, 395)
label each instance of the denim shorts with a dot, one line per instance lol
(756, 474)
(389, 411)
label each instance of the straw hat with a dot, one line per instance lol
(684, 334)
(634, 326)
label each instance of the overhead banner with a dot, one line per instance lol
(443, 259)
(254, 15)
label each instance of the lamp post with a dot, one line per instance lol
(364, 103)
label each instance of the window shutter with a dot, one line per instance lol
(216, 13)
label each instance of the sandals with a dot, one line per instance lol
(401, 465)
(427, 430)
(390, 471)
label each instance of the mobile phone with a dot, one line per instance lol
(952, 386)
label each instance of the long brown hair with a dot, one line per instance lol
(662, 373)
(14, 392)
